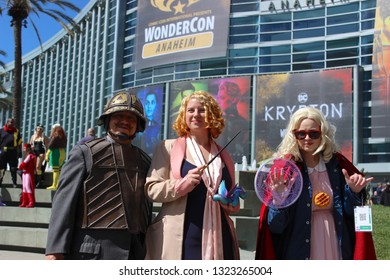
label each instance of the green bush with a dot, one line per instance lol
(381, 231)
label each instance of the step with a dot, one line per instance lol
(38, 216)
(43, 197)
(246, 229)
(8, 181)
(25, 229)
(23, 237)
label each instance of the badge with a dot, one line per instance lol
(363, 218)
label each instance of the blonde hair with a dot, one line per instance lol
(214, 119)
(289, 145)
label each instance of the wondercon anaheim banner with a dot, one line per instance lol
(280, 95)
(233, 94)
(381, 72)
(180, 30)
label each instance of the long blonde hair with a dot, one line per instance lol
(289, 145)
(214, 119)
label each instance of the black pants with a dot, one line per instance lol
(9, 157)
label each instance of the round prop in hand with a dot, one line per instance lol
(278, 182)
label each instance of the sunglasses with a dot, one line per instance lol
(301, 134)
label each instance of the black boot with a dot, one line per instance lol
(37, 179)
(13, 171)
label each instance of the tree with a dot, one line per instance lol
(19, 11)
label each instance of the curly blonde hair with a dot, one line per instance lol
(214, 119)
(289, 145)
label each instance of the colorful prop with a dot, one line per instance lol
(230, 197)
(272, 173)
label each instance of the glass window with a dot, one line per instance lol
(368, 24)
(366, 50)
(242, 62)
(212, 63)
(186, 75)
(367, 39)
(144, 73)
(307, 47)
(182, 67)
(319, 32)
(244, 8)
(308, 66)
(341, 9)
(243, 52)
(274, 68)
(243, 39)
(341, 29)
(275, 59)
(275, 18)
(163, 70)
(342, 62)
(343, 19)
(370, 14)
(338, 44)
(215, 72)
(316, 13)
(275, 27)
(244, 20)
(275, 36)
(313, 56)
(234, 2)
(242, 70)
(309, 23)
(351, 52)
(157, 79)
(368, 4)
(275, 50)
(366, 60)
(244, 30)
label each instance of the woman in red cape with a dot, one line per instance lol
(311, 228)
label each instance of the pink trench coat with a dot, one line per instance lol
(164, 237)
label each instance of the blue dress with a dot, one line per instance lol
(193, 222)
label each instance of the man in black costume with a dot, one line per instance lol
(99, 209)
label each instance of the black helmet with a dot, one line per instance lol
(124, 101)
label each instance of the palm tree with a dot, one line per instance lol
(19, 11)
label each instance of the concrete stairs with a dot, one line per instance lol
(25, 229)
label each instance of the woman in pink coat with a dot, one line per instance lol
(191, 225)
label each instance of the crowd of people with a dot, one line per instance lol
(106, 186)
(380, 194)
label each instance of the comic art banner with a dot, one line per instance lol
(380, 115)
(152, 99)
(280, 95)
(233, 94)
(180, 30)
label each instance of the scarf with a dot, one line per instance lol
(9, 129)
(212, 247)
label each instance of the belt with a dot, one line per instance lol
(8, 148)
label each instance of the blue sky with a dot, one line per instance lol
(47, 27)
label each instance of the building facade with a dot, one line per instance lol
(71, 80)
